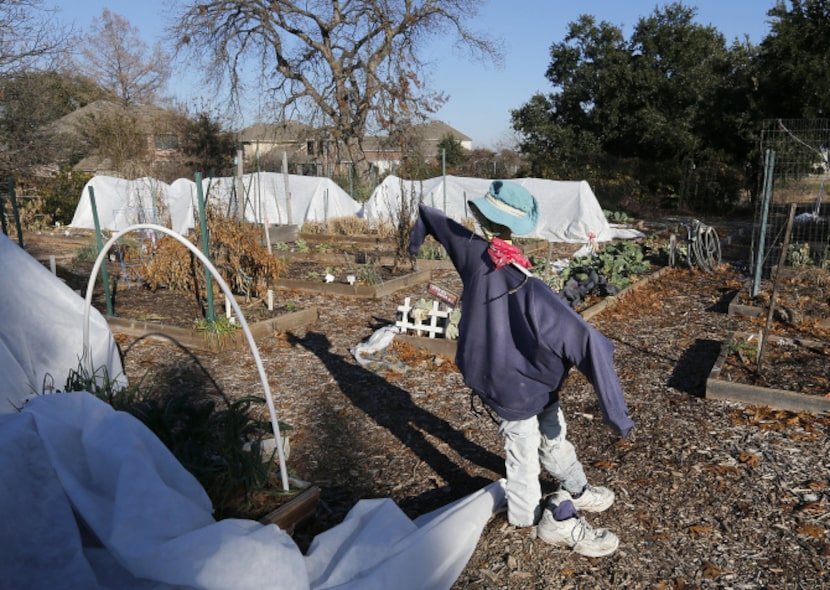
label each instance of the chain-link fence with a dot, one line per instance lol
(796, 180)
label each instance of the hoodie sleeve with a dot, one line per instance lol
(454, 237)
(570, 337)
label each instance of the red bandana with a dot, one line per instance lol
(503, 253)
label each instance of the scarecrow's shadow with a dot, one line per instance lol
(393, 408)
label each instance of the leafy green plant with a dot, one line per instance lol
(370, 275)
(798, 255)
(432, 252)
(301, 245)
(616, 216)
(221, 329)
(88, 252)
(602, 274)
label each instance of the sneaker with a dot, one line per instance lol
(593, 499)
(576, 534)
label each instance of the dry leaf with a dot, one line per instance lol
(720, 469)
(700, 530)
(814, 508)
(710, 570)
(811, 531)
(606, 465)
(750, 459)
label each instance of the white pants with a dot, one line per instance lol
(528, 444)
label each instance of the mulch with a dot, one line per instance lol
(710, 494)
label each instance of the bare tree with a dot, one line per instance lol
(29, 37)
(119, 60)
(346, 66)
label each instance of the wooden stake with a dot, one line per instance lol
(781, 260)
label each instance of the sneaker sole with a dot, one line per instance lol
(585, 550)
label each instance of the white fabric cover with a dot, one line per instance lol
(92, 499)
(568, 210)
(122, 203)
(41, 339)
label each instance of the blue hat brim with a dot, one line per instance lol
(519, 225)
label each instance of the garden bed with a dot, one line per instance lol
(369, 281)
(179, 316)
(793, 376)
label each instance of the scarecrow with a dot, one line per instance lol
(517, 342)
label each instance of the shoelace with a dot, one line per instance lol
(580, 531)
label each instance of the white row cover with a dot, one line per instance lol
(121, 203)
(92, 499)
(568, 210)
(41, 339)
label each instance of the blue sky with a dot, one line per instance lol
(480, 96)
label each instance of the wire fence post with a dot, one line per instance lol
(15, 212)
(766, 196)
(100, 245)
(211, 316)
(3, 216)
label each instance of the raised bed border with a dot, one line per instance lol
(754, 395)
(295, 511)
(192, 339)
(361, 291)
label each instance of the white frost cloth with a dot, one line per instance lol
(92, 499)
(41, 334)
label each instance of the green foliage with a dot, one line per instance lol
(649, 108)
(220, 330)
(206, 145)
(792, 71)
(88, 252)
(798, 255)
(61, 193)
(617, 216)
(432, 251)
(602, 274)
(743, 349)
(30, 101)
(369, 274)
(450, 151)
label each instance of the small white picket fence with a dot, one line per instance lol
(433, 325)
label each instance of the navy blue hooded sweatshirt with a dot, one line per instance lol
(517, 338)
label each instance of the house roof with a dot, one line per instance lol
(294, 131)
(434, 131)
(149, 118)
(285, 132)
